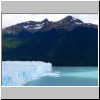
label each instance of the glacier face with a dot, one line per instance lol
(16, 73)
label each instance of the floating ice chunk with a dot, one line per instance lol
(52, 74)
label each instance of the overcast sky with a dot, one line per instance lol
(11, 19)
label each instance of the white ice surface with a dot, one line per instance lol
(16, 73)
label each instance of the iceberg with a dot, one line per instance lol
(16, 73)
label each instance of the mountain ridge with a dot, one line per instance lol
(69, 42)
(69, 21)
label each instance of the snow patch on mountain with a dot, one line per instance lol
(78, 23)
(26, 26)
(38, 26)
(74, 18)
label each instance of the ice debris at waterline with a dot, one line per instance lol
(16, 73)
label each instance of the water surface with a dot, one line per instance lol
(69, 76)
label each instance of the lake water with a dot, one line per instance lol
(69, 76)
(37, 73)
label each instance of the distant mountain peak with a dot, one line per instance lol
(68, 23)
(45, 20)
(70, 19)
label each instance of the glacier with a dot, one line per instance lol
(17, 73)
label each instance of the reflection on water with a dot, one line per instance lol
(88, 74)
(69, 76)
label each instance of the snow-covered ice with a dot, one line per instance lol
(16, 73)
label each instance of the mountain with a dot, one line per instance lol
(67, 42)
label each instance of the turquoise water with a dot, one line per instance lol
(68, 76)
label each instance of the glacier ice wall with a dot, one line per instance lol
(16, 73)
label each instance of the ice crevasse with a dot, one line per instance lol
(16, 73)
